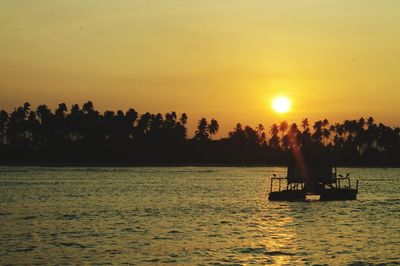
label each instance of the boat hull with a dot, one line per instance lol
(288, 195)
(338, 194)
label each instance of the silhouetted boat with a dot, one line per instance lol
(303, 180)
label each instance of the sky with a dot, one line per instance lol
(335, 59)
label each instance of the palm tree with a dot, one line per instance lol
(201, 133)
(260, 128)
(156, 125)
(305, 124)
(61, 123)
(213, 127)
(174, 115)
(305, 135)
(184, 118)
(318, 132)
(130, 118)
(131, 115)
(32, 128)
(47, 127)
(325, 131)
(170, 120)
(293, 136)
(237, 135)
(261, 134)
(252, 138)
(274, 129)
(61, 110)
(293, 128)
(43, 112)
(88, 107)
(274, 140)
(371, 133)
(143, 124)
(282, 128)
(26, 108)
(179, 132)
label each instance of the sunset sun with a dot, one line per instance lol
(281, 104)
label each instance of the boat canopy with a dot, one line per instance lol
(311, 174)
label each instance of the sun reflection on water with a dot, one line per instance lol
(280, 239)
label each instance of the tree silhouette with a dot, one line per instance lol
(184, 118)
(201, 133)
(274, 140)
(80, 135)
(283, 127)
(262, 138)
(213, 127)
(293, 136)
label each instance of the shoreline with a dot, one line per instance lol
(133, 165)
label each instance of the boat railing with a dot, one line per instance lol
(338, 182)
(283, 183)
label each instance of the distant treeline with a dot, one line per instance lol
(83, 135)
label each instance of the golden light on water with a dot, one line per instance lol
(281, 104)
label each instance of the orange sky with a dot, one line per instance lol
(223, 59)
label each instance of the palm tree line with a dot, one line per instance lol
(83, 134)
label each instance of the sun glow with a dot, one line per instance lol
(281, 104)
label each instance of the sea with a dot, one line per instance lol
(191, 216)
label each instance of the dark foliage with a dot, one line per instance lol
(83, 135)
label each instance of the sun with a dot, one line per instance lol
(281, 104)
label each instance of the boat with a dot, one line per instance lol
(304, 179)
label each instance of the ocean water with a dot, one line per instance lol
(191, 216)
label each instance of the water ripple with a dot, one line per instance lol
(190, 216)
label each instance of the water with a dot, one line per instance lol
(190, 215)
